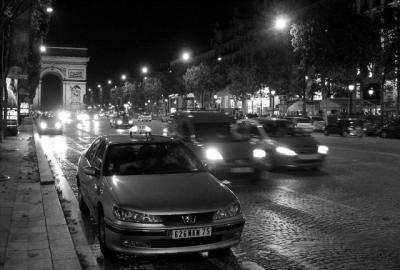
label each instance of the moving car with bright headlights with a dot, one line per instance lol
(209, 134)
(152, 195)
(48, 123)
(121, 121)
(284, 145)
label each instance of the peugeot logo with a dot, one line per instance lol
(189, 219)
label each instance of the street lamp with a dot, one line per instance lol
(42, 48)
(281, 23)
(219, 59)
(99, 86)
(123, 77)
(145, 70)
(351, 89)
(49, 10)
(186, 56)
(109, 81)
(272, 94)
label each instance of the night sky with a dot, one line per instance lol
(123, 35)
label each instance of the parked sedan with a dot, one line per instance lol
(302, 124)
(284, 145)
(152, 195)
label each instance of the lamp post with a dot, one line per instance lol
(272, 94)
(351, 89)
(370, 93)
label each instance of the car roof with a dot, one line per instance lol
(124, 139)
(205, 116)
(264, 119)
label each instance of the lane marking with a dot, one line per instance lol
(319, 198)
(366, 151)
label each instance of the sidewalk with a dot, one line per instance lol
(33, 231)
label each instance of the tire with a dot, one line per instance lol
(101, 232)
(270, 164)
(220, 253)
(326, 133)
(384, 134)
(82, 205)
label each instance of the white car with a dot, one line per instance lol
(145, 117)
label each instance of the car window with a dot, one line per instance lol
(151, 158)
(92, 150)
(98, 158)
(281, 129)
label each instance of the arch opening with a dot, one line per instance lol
(51, 93)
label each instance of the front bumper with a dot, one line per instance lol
(300, 161)
(152, 241)
(236, 167)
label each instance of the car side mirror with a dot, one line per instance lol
(91, 171)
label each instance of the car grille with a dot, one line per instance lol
(177, 219)
(166, 243)
(308, 150)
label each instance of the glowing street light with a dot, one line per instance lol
(99, 86)
(123, 77)
(42, 48)
(281, 23)
(219, 58)
(109, 81)
(145, 70)
(49, 10)
(351, 89)
(185, 56)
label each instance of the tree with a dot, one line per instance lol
(242, 81)
(152, 88)
(201, 81)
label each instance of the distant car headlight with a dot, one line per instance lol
(43, 125)
(285, 151)
(213, 154)
(130, 122)
(232, 210)
(58, 125)
(133, 216)
(119, 122)
(322, 149)
(259, 153)
(147, 129)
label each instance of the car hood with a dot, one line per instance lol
(170, 193)
(294, 143)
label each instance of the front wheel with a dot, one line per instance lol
(101, 230)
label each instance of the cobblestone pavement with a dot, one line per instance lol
(344, 217)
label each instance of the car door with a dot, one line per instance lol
(84, 179)
(97, 163)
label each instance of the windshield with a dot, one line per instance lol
(302, 120)
(281, 129)
(151, 158)
(213, 131)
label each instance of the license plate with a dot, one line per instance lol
(308, 157)
(191, 233)
(242, 170)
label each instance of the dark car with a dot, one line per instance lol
(283, 143)
(345, 127)
(121, 121)
(210, 135)
(48, 123)
(391, 130)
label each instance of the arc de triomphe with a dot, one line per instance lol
(67, 67)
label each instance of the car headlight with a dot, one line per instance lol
(130, 122)
(58, 125)
(133, 216)
(43, 125)
(259, 153)
(232, 210)
(119, 122)
(322, 149)
(147, 129)
(285, 151)
(213, 154)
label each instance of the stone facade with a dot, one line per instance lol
(70, 65)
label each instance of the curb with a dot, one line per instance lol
(50, 173)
